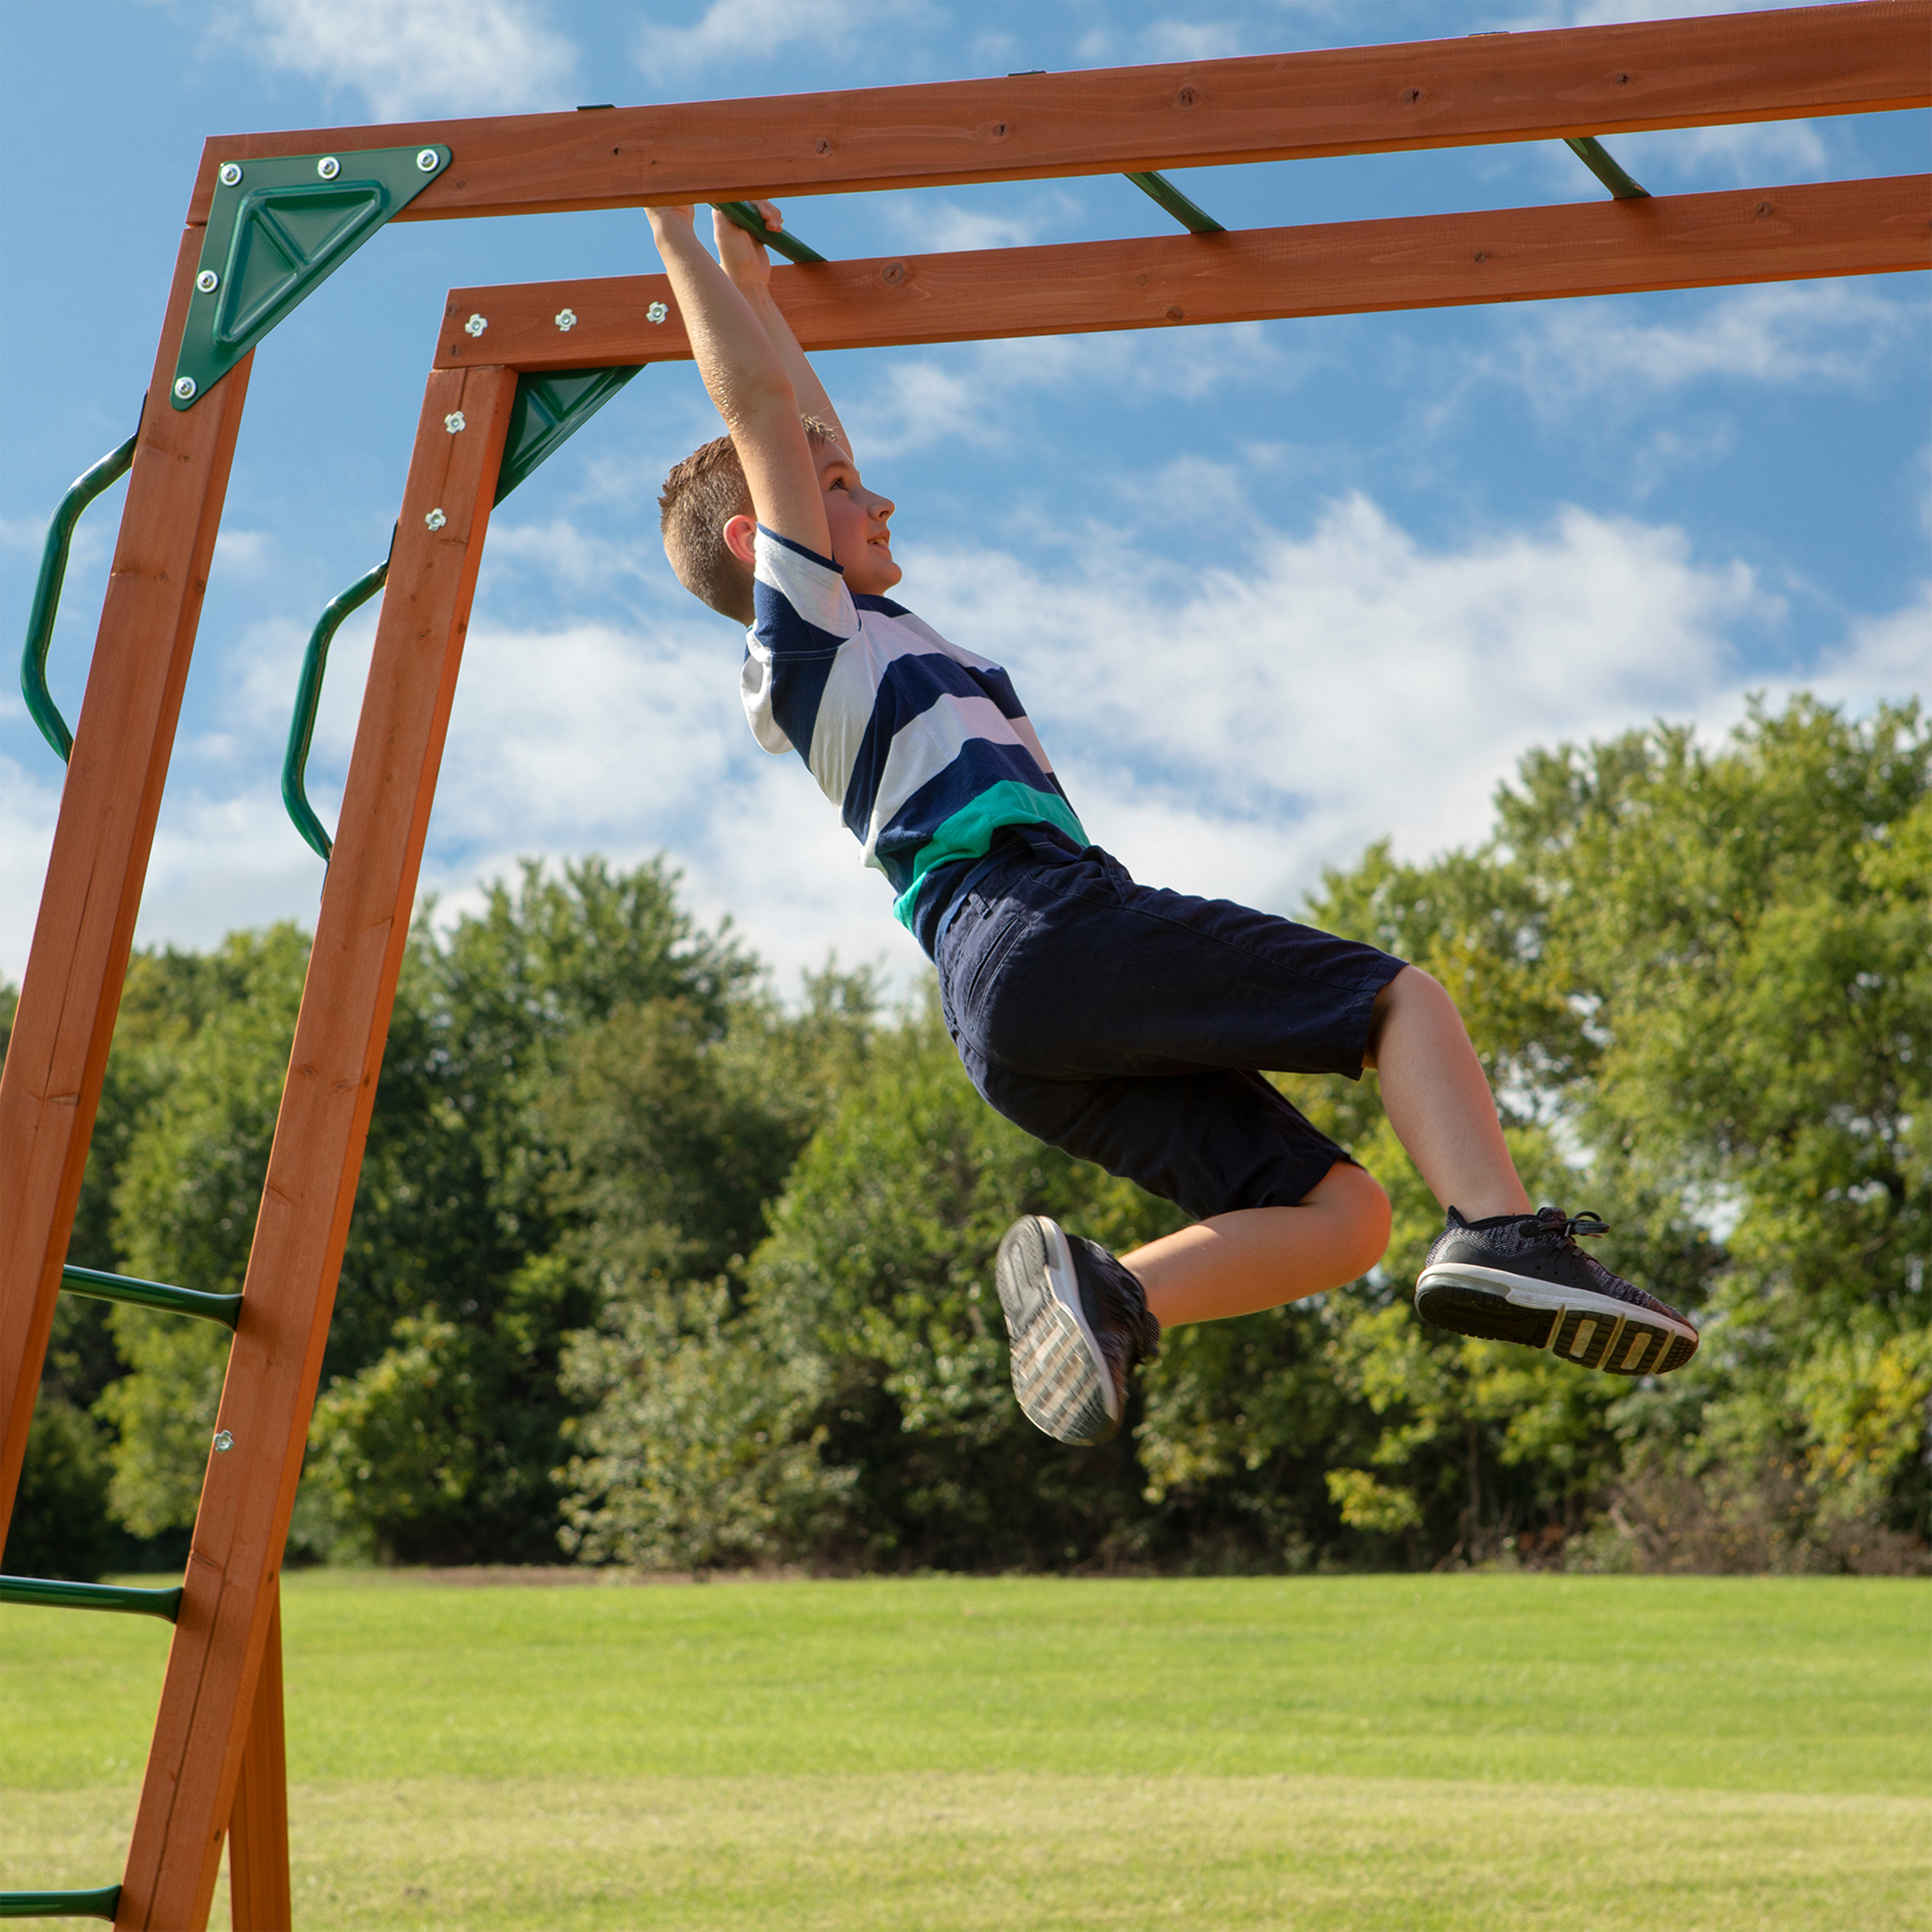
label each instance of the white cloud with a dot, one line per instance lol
(1887, 657)
(494, 57)
(732, 34)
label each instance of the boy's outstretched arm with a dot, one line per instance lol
(750, 269)
(748, 380)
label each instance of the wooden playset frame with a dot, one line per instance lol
(215, 1766)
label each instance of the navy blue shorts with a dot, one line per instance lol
(1127, 1025)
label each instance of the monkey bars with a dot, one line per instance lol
(215, 1764)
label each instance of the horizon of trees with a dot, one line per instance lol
(648, 1267)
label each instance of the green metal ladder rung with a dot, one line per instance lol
(43, 1593)
(101, 1903)
(1159, 188)
(226, 1308)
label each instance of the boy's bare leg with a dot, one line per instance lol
(1440, 1105)
(1439, 1101)
(1259, 1258)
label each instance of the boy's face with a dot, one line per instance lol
(861, 543)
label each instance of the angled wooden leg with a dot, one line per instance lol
(51, 1084)
(228, 1599)
(258, 1826)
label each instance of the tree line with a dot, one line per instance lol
(649, 1266)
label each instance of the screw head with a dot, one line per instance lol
(436, 519)
(657, 312)
(566, 320)
(224, 1442)
(328, 167)
(208, 281)
(476, 325)
(231, 174)
(184, 388)
(428, 159)
(456, 422)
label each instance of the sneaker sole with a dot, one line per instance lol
(1595, 1331)
(1059, 1375)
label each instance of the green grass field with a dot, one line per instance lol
(1297, 1753)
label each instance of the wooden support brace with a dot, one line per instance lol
(51, 1084)
(1345, 101)
(258, 1827)
(228, 1605)
(1516, 254)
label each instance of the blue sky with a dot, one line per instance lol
(1271, 591)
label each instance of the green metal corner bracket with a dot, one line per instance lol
(1596, 157)
(277, 229)
(41, 705)
(102, 1904)
(549, 409)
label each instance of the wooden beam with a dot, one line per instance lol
(1770, 66)
(258, 1828)
(1518, 254)
(229, 1596)
(71, 992)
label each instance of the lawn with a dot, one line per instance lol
(1325, 1752)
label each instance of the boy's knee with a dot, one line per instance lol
(1411, 988)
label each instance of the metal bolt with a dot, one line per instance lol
(566, 320)
(455, 422)
(428, 159)
(231, 174)
(208, 281)
(656, 312)
(436, 519)
(328, 167)
(476, 325)
(224, 1442)
(184, 388)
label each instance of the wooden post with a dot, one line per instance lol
(228, 1603)
(71, 992)
(258, 1827)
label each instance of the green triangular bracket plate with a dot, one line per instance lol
(276, 229)
(548, 411)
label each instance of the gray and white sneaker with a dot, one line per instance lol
(1078, 1325)
(1522, 1278)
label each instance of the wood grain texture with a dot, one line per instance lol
(258, 1827)
(1450, 93)
(71, 992)
(1519, 254)
(229, 1595)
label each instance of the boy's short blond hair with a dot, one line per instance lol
(699, 498)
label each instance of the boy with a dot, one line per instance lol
(1123, 1023)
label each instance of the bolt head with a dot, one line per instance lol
(208, 281)
(436, 519)
(428, 159)
(566, 320)
(224, 1442)
(657, 312)
(476, 325)
(231, 174)
(184, 388)
(328, 167)
(456, 422)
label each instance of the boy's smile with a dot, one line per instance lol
(862, 544)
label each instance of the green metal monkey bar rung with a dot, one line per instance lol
(1159, 188)
(134, 1293)
(103, 1902)
(47, 1594)
(1596, 157)
(748, 218)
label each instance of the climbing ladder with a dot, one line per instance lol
(517, 369)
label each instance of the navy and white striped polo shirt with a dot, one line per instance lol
(922, 746)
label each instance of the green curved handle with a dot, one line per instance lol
(308, 695)
(41, 706)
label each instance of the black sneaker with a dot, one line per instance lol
(1078, 1325)
(1522, 1278)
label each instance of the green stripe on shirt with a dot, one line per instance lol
(968, 833)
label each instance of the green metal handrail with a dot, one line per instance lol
(1159, 188)
(1596, 157)
(46, 1594)
(102, 1904)
(748, 218)
(41, 706)
(226, 1308)
(308, 696)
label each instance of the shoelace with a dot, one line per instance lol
(1554, 1221)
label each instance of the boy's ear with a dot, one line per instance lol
(740, 535)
